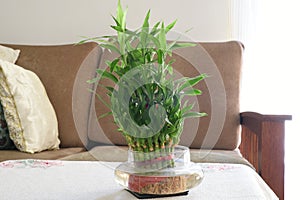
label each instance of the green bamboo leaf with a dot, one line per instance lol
(159, 56)
(128, 45)
(146, 20)
(193, 114)
(94, 39)
(154, 40)
(108, 75)
(117, 28)
(94, 80)
(117, 22)
(145, 30)
(100, 98)
(176, 45)
(123, 24)
(171, 62)
(175, 109)
(192, 81)
(130, 36)
(192, 92)
(170, 45)
(170, 130)
(168, 121)
(170, 69)
(155, 30)
(104, 115)
(187, 108)
(143, 38)
(186, 103)
(119, 12)
(112, 65)
(82, 41)
(131, 33)
(170, 26)
(111, 89)
(108, 88)
(179, 81)
(111, 47)
(162, 37)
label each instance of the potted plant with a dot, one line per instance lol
(147, 101)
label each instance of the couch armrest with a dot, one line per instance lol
(263, 146)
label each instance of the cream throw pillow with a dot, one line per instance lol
(30, 117)
(9, 54)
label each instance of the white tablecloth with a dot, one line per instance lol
(90, 180)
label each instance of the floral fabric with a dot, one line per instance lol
(30, 163)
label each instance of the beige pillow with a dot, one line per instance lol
(29, 114)
(9, 54)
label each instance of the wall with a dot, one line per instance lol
(64, 21)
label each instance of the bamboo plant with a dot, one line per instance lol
(147, 103)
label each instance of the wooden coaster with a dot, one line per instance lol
(149, 196)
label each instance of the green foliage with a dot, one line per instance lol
(158, 101)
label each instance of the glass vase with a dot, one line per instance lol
(167, 171)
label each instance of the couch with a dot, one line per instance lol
(226, 135)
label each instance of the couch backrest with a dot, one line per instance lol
(64, 69)
(220, 100)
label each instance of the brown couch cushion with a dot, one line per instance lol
(120, 154)
(46, 155)
(220, 130)
(64, 69)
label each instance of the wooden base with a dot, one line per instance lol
(150, 196)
